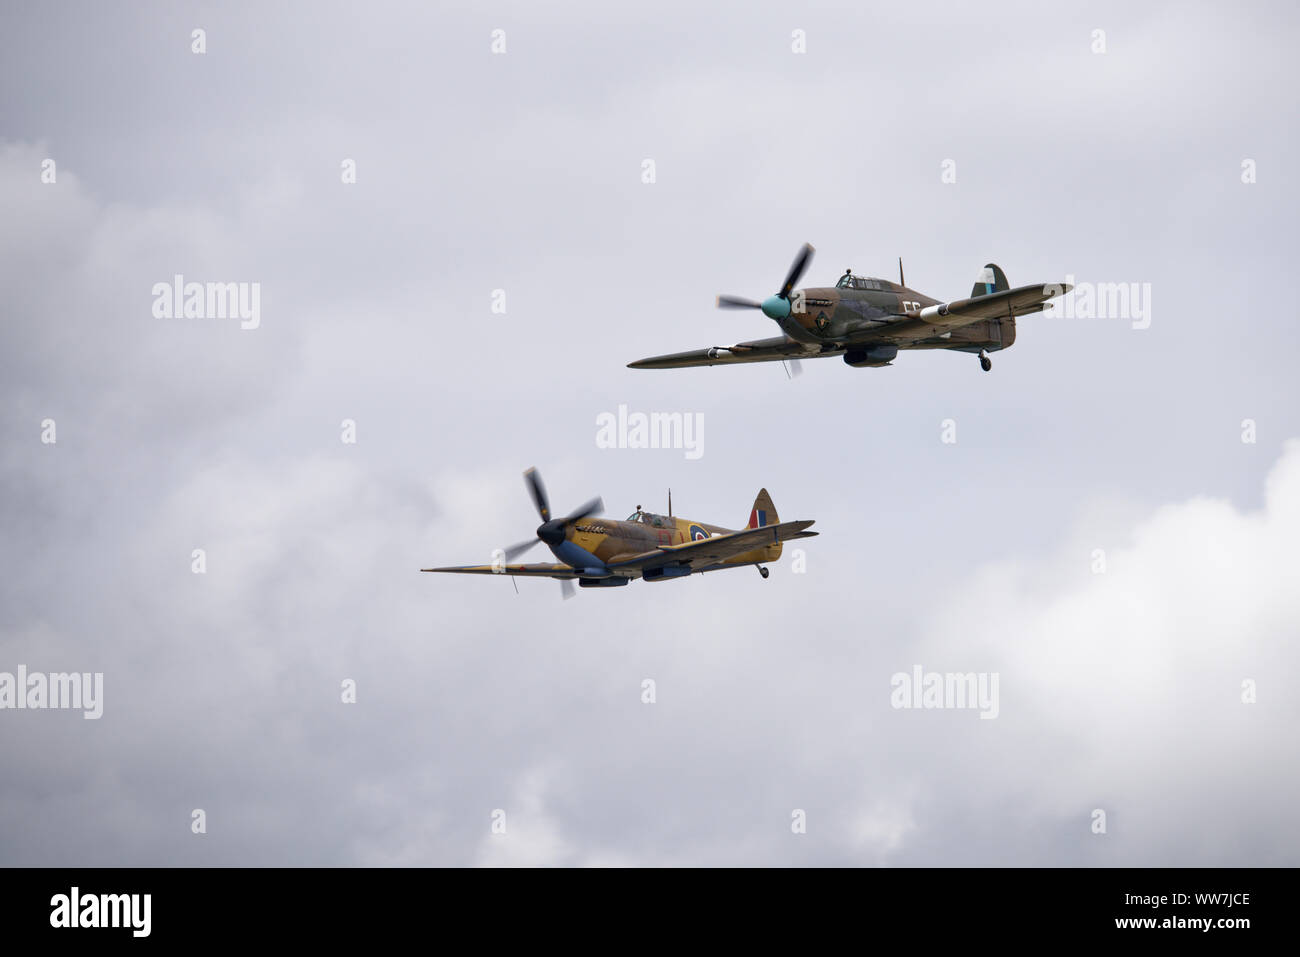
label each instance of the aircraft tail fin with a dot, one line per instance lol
(992, 279)
(763, 512)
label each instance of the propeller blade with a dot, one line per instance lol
(566, 588)
(514, 551)
(737, 302)
(793, 368)
(797, 267)
(538, 491)
(594, 507)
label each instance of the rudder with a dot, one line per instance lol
(992, 279)
(763, 512)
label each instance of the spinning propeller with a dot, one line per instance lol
(776, 306)
(552, 530)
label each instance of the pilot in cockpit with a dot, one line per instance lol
(646, 518)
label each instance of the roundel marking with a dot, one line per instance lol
(697, 534)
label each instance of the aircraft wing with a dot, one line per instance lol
(933, 320)
(535, 570)
(760, 350)
(711, 551)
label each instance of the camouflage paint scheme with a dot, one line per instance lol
(602, 552)
(869, 321)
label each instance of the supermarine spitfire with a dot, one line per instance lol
(601, 553)
(867, 321)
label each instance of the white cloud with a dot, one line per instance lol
(1123, 690)
(531, 838)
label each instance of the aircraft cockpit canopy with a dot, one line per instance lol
(650, 518)
(850, 281)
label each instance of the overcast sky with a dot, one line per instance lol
(1120, 691)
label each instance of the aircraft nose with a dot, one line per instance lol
(551, 533)
(775, 307)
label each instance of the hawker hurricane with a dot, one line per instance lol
(869, 321)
